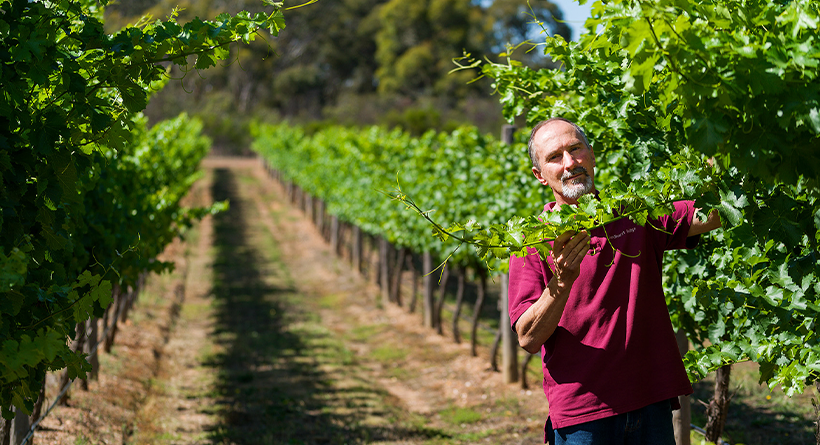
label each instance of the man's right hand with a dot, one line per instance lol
(568, 250)
(539, 321)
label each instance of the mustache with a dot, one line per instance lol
(573, 172)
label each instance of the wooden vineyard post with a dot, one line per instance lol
(117, 314)
(509, 341)
(93, 339)
(90, 348)
(414, 276)
(479, 303)
(334, 234)
(398, 267)
(20, 427)
(5, 431)
(106, 317)
(494, 350)
(384, 269)
(442, 291)
(460, 277)
(309, 207)
(319, 219)
(111, 315)
(356, 249)
(372, 260)
(427, 289)
(682, 418)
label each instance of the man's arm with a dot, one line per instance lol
(712, 222)
(539, 321)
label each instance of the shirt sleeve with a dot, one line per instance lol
(527, 280)
(672, 230)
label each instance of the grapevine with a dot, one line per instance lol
(89, 196)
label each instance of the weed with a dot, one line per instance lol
(458, 416)
(332, 301)
(388, 354)
(365, 333)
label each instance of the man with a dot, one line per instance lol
(596, 311)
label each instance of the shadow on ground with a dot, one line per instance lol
(274, 384)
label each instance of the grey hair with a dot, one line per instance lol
(531, 145)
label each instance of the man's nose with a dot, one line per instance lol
(569, 161)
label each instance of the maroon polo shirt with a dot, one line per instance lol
(614, 349)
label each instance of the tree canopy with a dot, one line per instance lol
(364, 55)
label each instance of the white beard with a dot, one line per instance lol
(575, 188)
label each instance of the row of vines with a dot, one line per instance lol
(89, 196)
(132, 210)
(338, 173)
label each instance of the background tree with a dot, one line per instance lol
(351, 62)
(514, 21)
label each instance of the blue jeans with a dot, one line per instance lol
(650, 425)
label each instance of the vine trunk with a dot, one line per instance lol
(719, 405)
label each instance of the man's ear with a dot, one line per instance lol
(538, 176)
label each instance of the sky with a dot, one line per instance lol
(574, 14)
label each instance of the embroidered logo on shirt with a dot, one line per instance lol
(625, 232)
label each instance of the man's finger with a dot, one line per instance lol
(576, 255)
(563, 238)
(578, 250)
(560, 246)
(579, 239)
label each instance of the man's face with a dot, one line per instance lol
(565, 163)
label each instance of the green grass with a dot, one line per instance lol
(364, 333)
(401, 374)
(194, 311)
(388, 354)
(459, 416)
(330, 301)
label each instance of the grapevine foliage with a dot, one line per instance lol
(89, 196)
(660, 86)
(456, 176)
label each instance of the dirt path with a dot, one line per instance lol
(301, 354)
